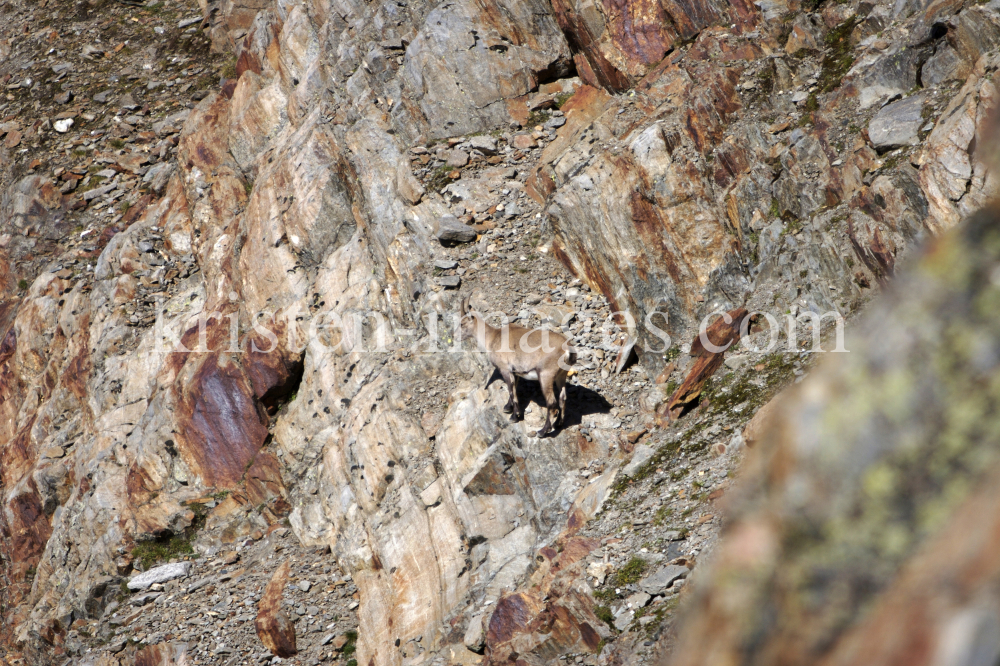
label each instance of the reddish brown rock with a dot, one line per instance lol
(162, 654)
(274, 628)
(709, 352)
(548, 616)
(619, 42)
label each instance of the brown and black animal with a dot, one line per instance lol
(519, 352)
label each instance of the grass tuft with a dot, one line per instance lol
(631, 572)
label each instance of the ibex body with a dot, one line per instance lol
(519, 352)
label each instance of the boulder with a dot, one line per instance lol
(475, 637)
(274, 628)
(975, 34)
(160, 574)
(897, 124)
(457, 158)
(450, 230)
(887, 75)
(806, 34)
(945, 65)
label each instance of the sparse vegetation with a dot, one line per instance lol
(537, 118)
(662, 514)
(168, 546)
(229, 69)
(604, 613)
(775, 209)
(839, 57)
(439, 178)
(22, 284)
(351, 646)
(154, 551)
(631, 572)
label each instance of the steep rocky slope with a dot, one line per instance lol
(304, 161)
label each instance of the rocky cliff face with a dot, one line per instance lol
(280, 166)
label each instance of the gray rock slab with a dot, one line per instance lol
(159, 574)
(484, 144)
(640, 457)
(98, 192)
(897, 124)
(941, 67)
(659, 581)
(450, 230)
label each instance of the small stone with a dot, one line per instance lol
(638, 600)
(64, 97)
(230, 557)
(143, 599)
(53, 452)
(339, 642)
(457, 158)
(623, 620)
(304, 585)
(450, 281)
(62, 126)
(484, 144)
(102, 97)
(90, 195)
(523, 142)
(352, 605)
(445, 264)
(735, 362)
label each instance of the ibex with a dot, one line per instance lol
(535, 354)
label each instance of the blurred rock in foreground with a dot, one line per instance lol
(867, 526)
